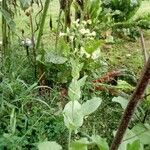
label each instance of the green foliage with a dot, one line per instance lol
(126, 8)
(80, 144)
(29, 117)
(74, 112)
(49, 146)
(25, 4)
(122, 101)
(100, 142)
(9, 20)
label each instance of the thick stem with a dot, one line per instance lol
(46, 6)
(129, 111)
(42, 22)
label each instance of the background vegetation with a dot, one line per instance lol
(68, 71)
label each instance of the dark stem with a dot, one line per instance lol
(129, 111)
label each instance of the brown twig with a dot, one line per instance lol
(129, 111)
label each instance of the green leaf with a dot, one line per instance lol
(129, 137)
(25, 4)
(100, 142)
(79, 145)
(54, 58)
(136, 145)
(91, 46)
(74, 91)
(90, 106)
(124, 86)
(49, 146)
(122, 101)
(73, 117)
(81, 82)
(142, 132)
(76, 68)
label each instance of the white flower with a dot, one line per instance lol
(27, 42)
(1, 43)
(93, 33)
(84, 31)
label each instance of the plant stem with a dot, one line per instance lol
(129, 111)
(42, 52)
(69, 139)
(4, 30)
(46, 6)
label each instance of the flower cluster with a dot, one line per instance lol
(79, 29)
(79, 34)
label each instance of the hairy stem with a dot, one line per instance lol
(129, 111)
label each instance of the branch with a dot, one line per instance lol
(129, 111)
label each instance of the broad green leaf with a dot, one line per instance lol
(100, 142)
(90, 106)
(73, 117)
(81, 82)
(54, 58)
(76, 68)
(143, 132)
(136, 145)
(79, 145)
(122, 101)
(91, 46)
(74, 91)
(49, 146)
